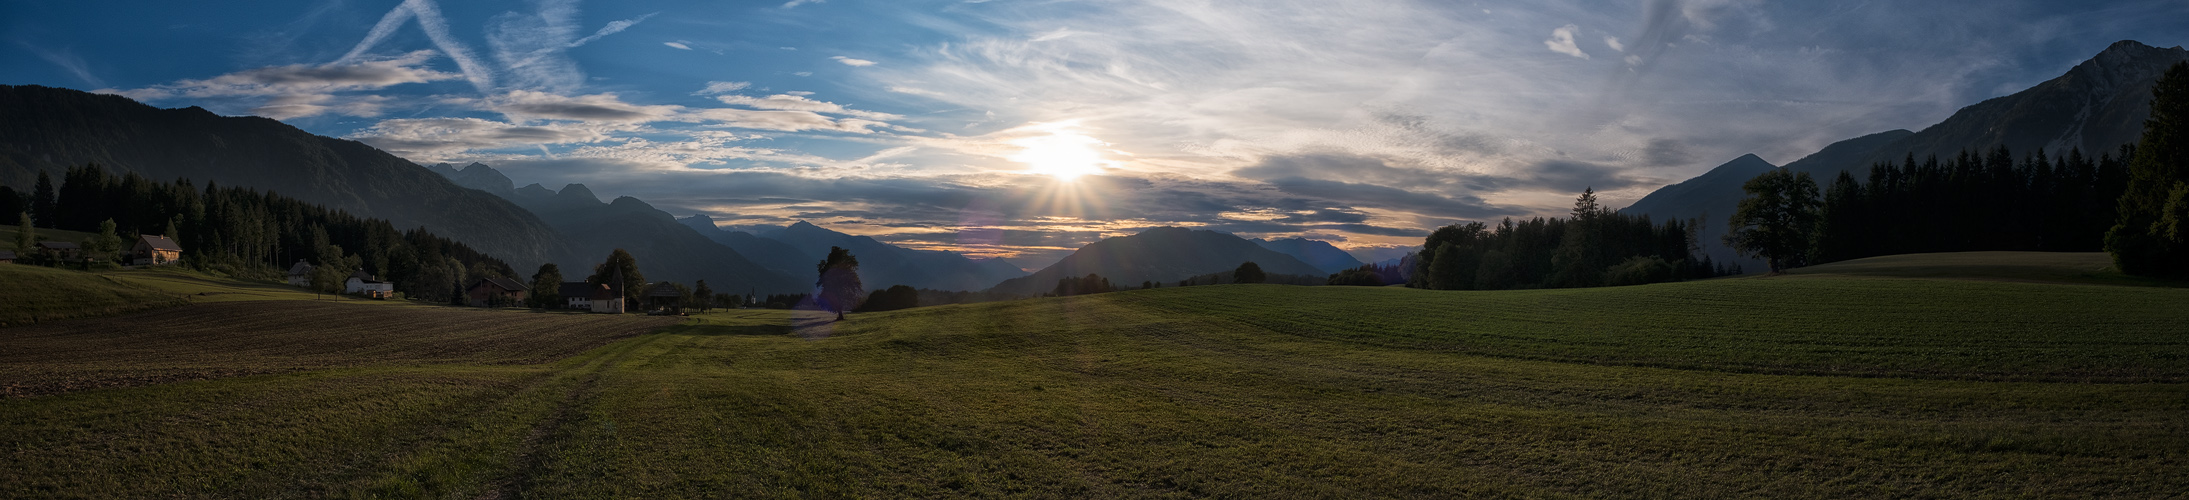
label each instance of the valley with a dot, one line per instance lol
(1866, 381)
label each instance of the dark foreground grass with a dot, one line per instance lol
(1781, 387)
(230, 339)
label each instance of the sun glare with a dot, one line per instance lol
(1063, 154)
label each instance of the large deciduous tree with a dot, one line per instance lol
(546, 287)
(2152, 235)
(839, 281)
(1249, 273)
(620, 263)
(1777, 219)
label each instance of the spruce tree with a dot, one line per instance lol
(41, 201)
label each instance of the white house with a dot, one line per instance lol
(300, 275)
(577, 295)
(363, 284)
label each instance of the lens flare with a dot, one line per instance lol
(1064, 154)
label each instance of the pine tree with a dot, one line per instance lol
(41, 202)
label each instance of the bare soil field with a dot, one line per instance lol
(219, 340)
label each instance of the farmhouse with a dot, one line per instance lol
(608, 298)
(58, 250)
(664, 296)
(300, 275)
(577, 295)
(364, 284)
(495, 292)
(155, 250)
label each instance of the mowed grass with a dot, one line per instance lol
(2035, 267)
(1822, 386)
(33, 294)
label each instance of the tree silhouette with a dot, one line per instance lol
(42, 201)
(620, 261)
(546, 287)
(1777, 219)
(1249, 272)
(703, 295)
(839, 281)
(2152, 235)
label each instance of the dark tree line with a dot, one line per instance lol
(1594, 247)
(1973, 202)
(247, 233)
(1368, 275)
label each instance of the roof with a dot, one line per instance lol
(301, 268)
(361, 277)
(506, 284)
(576, 289)
(159, 243)
(603, 292)
(663, 289)
(56, 245)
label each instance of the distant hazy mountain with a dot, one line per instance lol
(1383, 255)
(50, 129)
(882, 264)
(478, 176)
(665, 249)
(2097, 106)
(1318, 253)
(1165, 254)
(768, 253)
(1710, 197)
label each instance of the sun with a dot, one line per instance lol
(1063, 153)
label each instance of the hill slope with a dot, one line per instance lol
(1318, 253)
(666, 250)
(2098, 106)
(880, 264)
(1161, 254)
(50, 129)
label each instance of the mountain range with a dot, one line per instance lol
(1163, 254)
(1318, 253)
(694, 247)
(2097, 106)
(797, 248)
(49, 129)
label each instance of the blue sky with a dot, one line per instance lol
(1027, 128)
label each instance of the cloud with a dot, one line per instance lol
(1613, 42)
(852, 62)
(914, 91)
(526, 105)
(613, 27)
(677, 45)
(795, 3)
(1561, 41)
(429, 19)
(801, 103)
(722, 88)
(68, 61)
(299, 90)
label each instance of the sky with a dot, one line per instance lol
(1026, 128)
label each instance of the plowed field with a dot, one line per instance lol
(219, 340)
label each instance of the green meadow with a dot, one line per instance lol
(1860, 381)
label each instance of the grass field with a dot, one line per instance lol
(1814, 386)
